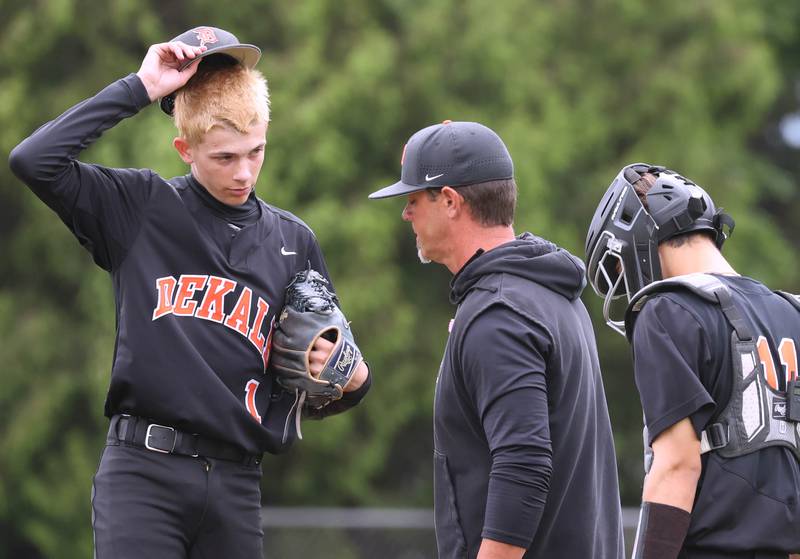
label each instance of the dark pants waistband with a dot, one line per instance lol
(145, 433)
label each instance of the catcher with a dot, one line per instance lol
(200, 267)
(715, 363)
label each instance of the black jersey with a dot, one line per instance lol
(682, 362)
(197, 286)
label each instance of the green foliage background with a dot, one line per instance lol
(577, 88)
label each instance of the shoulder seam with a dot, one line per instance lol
(286, 216)
(689, 310)
(144, 216)
(497, 299)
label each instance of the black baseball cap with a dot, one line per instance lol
(216, 41)
(450, 154)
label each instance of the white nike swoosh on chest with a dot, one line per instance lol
(287, 252)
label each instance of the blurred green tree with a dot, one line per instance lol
(576, 89)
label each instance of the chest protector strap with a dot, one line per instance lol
(756, 416)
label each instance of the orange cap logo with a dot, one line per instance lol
(206, 36)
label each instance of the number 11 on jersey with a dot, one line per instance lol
(788, 356)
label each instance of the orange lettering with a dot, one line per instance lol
(268, 345)
(788, 353)
(165, 287)
(766, 360)
(255, 332)
(211, 307)
(184, 305)
(240, 317)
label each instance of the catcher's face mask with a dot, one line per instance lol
(622, 243)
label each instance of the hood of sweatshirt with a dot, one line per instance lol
(528, 256)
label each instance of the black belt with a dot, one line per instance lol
(141, 432)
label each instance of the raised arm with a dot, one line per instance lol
(101, 206)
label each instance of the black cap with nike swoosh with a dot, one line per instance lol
(450, 154)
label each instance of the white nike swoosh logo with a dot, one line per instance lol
(287, 252)
(427, 178)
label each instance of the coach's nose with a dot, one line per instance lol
(406, 214)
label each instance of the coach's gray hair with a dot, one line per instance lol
(491, 203)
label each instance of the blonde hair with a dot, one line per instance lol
(232, 95)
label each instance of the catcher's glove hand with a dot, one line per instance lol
(311, 311)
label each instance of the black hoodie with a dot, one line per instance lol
(523, 451)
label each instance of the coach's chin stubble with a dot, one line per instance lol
(422, 258)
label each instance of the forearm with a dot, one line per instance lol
(348, 400)
(522, 465)
(671, 484)
(673, 476)
(491, 549)
(668, 494)
(47, 153)
(667, 501)
(518, 487)
(664, 517)
(358, 379)
(661, 531)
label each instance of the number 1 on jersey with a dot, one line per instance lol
(250, 399)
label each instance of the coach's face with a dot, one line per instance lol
(429, 222)
(227, 162)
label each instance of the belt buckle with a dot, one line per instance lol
(149, 434)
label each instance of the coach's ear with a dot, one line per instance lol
(184, 149)
(453, 200)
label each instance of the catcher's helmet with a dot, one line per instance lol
(622, 243)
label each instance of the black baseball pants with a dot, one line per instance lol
(146, 504)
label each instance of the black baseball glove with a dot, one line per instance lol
(312, 311)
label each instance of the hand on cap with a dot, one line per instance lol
(160, 72)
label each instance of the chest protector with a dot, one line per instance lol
(756, 416)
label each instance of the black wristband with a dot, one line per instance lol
(662, 529)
